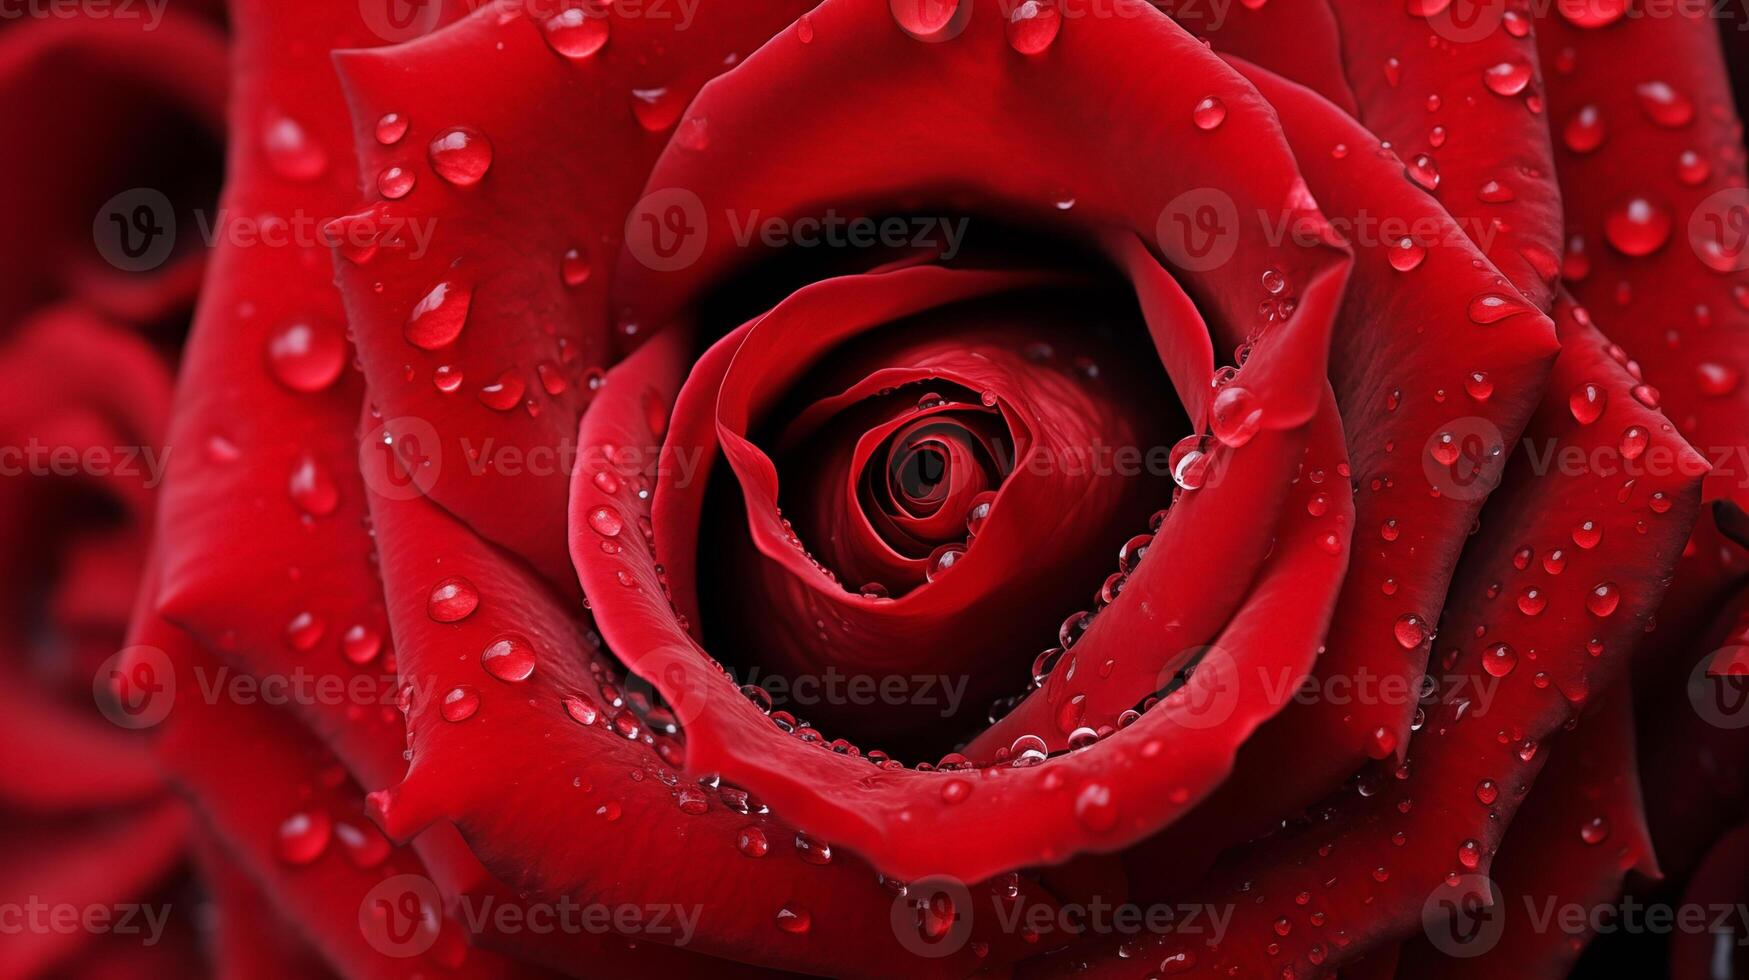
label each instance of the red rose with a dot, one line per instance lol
(1041, 487)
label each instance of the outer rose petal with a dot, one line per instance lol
(1666, 281)
(1412, 370)
(570, 142)
(1373, 858)
(1581, 831)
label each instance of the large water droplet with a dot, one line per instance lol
(1033, 26)
(290, 151)
(1494, 307)
(461, 155)
(304, 836)
(1584, 132)
(459, 704)
(509, 657)
(437, 319)
(505, 393)
(1603, 599)
(1664, 105)
(452, 600)
(313, 488)
(1209, 113)
(306, 354)
(1235, 415)
(1637, 226)
(578, 32)
(1507, 78)
(1587, 402)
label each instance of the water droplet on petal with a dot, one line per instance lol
(360, 644)
(1585, 131)
(1591, 13)
(576, 33)
(605, 521)
(1033, 25)
(306, 355)
(794, 920)
(1499, 659)
(1507, 78)
(291, 152)
(1422, 169)
(1664, 105)
(1095, 809)
(452, 600)
(391, 126)
(1235, 415)
(313, 488)
(1603, 599)
(574, 267)
(437, 319)
(1494, 307)
(461, 155)
(395, 183)
(459, 704)
(1594, 831)
(1411, 631)
(1637, 226)
(942, 559)
(1405, 255)
(1587, 402)
(1209, 113)
(505, 393)
(509, 657)
(752, 842)
(304, 836)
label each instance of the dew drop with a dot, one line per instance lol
(460, 155)
(291, 152)
(1209, 114)
(304, 836)
(1603, 599)
(437, 319)
(1587, 402)
(1507, 78)
(391, 126)
(1235, 415)
(306, 355)
(460, 703)
(509, 657)
(452, 600)
(505, 393)
(1637, 226)
(1033, 26)
(576, 33)
(1664, 105)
